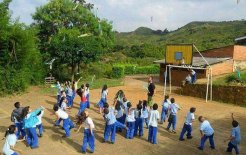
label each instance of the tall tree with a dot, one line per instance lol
(61, 22)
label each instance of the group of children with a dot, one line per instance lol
(122, 115)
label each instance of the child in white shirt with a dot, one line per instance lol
(153, 123)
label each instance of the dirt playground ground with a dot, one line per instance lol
(52, 142)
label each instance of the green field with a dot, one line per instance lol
(231, 79)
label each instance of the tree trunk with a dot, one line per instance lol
(73, 72)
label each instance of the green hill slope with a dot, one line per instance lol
(204, 35)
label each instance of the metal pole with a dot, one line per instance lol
(211, 80)
(207, 87)
(170, 81)
(165, 81)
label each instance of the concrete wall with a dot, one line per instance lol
(224, 52)
(227, 94)
(239, 53)
(222, 68)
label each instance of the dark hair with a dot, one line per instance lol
(129, 105)
(140, 102)
(39, 113)
(145, 104)
(166, 97)
(55, 108)
(105, 87)
(192, 109)
(81, 118)
(10, 130)
(62, 91)
(124, 99)
(235, 123)
(25, 111)
(17, 105)
(119, 93)
(117, 105)
(82, 86)
(172, 100)
(139, 108)
(61, 100)
(105, 105)
(200, 118)
(87, 85)
(105, 111)
(155, 106)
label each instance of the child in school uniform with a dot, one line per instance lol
(153, 124)
(63, 106)
(130, 121)
(11, 139)
(119, 114)
(235, 137)
(172, 120)
(207, 132)
(69, 96)
(124, 106)
(110, 128)
(188, 125)
(39, 125)
(88, 131)
(67, 123)
(139, 120)
(87, 94)
(30, 120)
(83, 103)
(145, 113)
(16, 118)
(165, 107)
(104, 94)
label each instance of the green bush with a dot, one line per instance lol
(231, 78)
(118, 71)
(153, 69)
(130, 69)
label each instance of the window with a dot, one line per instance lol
(178, 55)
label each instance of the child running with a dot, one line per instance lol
(130, 121)
(67, 123)
(165, 107)
(235, 137)
(172, 120)
(139, 120)
(188, 125)
(88, 131)
(207, 132)
(11, 139)
(104, 94)
(145, 113)
(16, 118)
(153, 123)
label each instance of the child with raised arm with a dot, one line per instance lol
(235, 137)
(188, 125)
(88, 131)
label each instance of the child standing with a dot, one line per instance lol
(87, 94)
(139, 120)
(165, 107)
(83, 103)
(145, 113)
(67, 123)
(188, 125)
(11, 139)
(110, 128)
(125, 101)
(88, 131)
(153, 123)
(69, 96)
(30, 120)
(63, 106)
(235, 137)
(130, 121)
(207, 132)
(172, 120)
(104, 94)
(16, 118)
(39, 125)
(119, 114)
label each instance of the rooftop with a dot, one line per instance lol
(199, 62)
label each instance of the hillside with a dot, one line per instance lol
(204, 35)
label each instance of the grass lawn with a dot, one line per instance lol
(224, 80)
(97, 84)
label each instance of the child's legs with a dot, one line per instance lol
(107, 132)
(189, 130)
(58, 121)
(141, 127)
(128, 131)
(174, 122)
(203, 140)
(34, 140)
(66, 127)
(119, 125)
(85, 140)
(28, 137)
(113, 131)
(124, 118)
(132, 129)
(40, 128)
(58, 98)
(184, 129)
(154, 135)
(136, 126)
(211, 140)
(236, 149)
(18, 126)
(71, 125)
(15, 153)
(163, 115)
(169, 125)
(146, 122)
(230, 147)
(150, 135)
(23, 133)
(91, 141)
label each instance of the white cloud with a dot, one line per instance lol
(128, 15)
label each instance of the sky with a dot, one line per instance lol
(128, 15)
